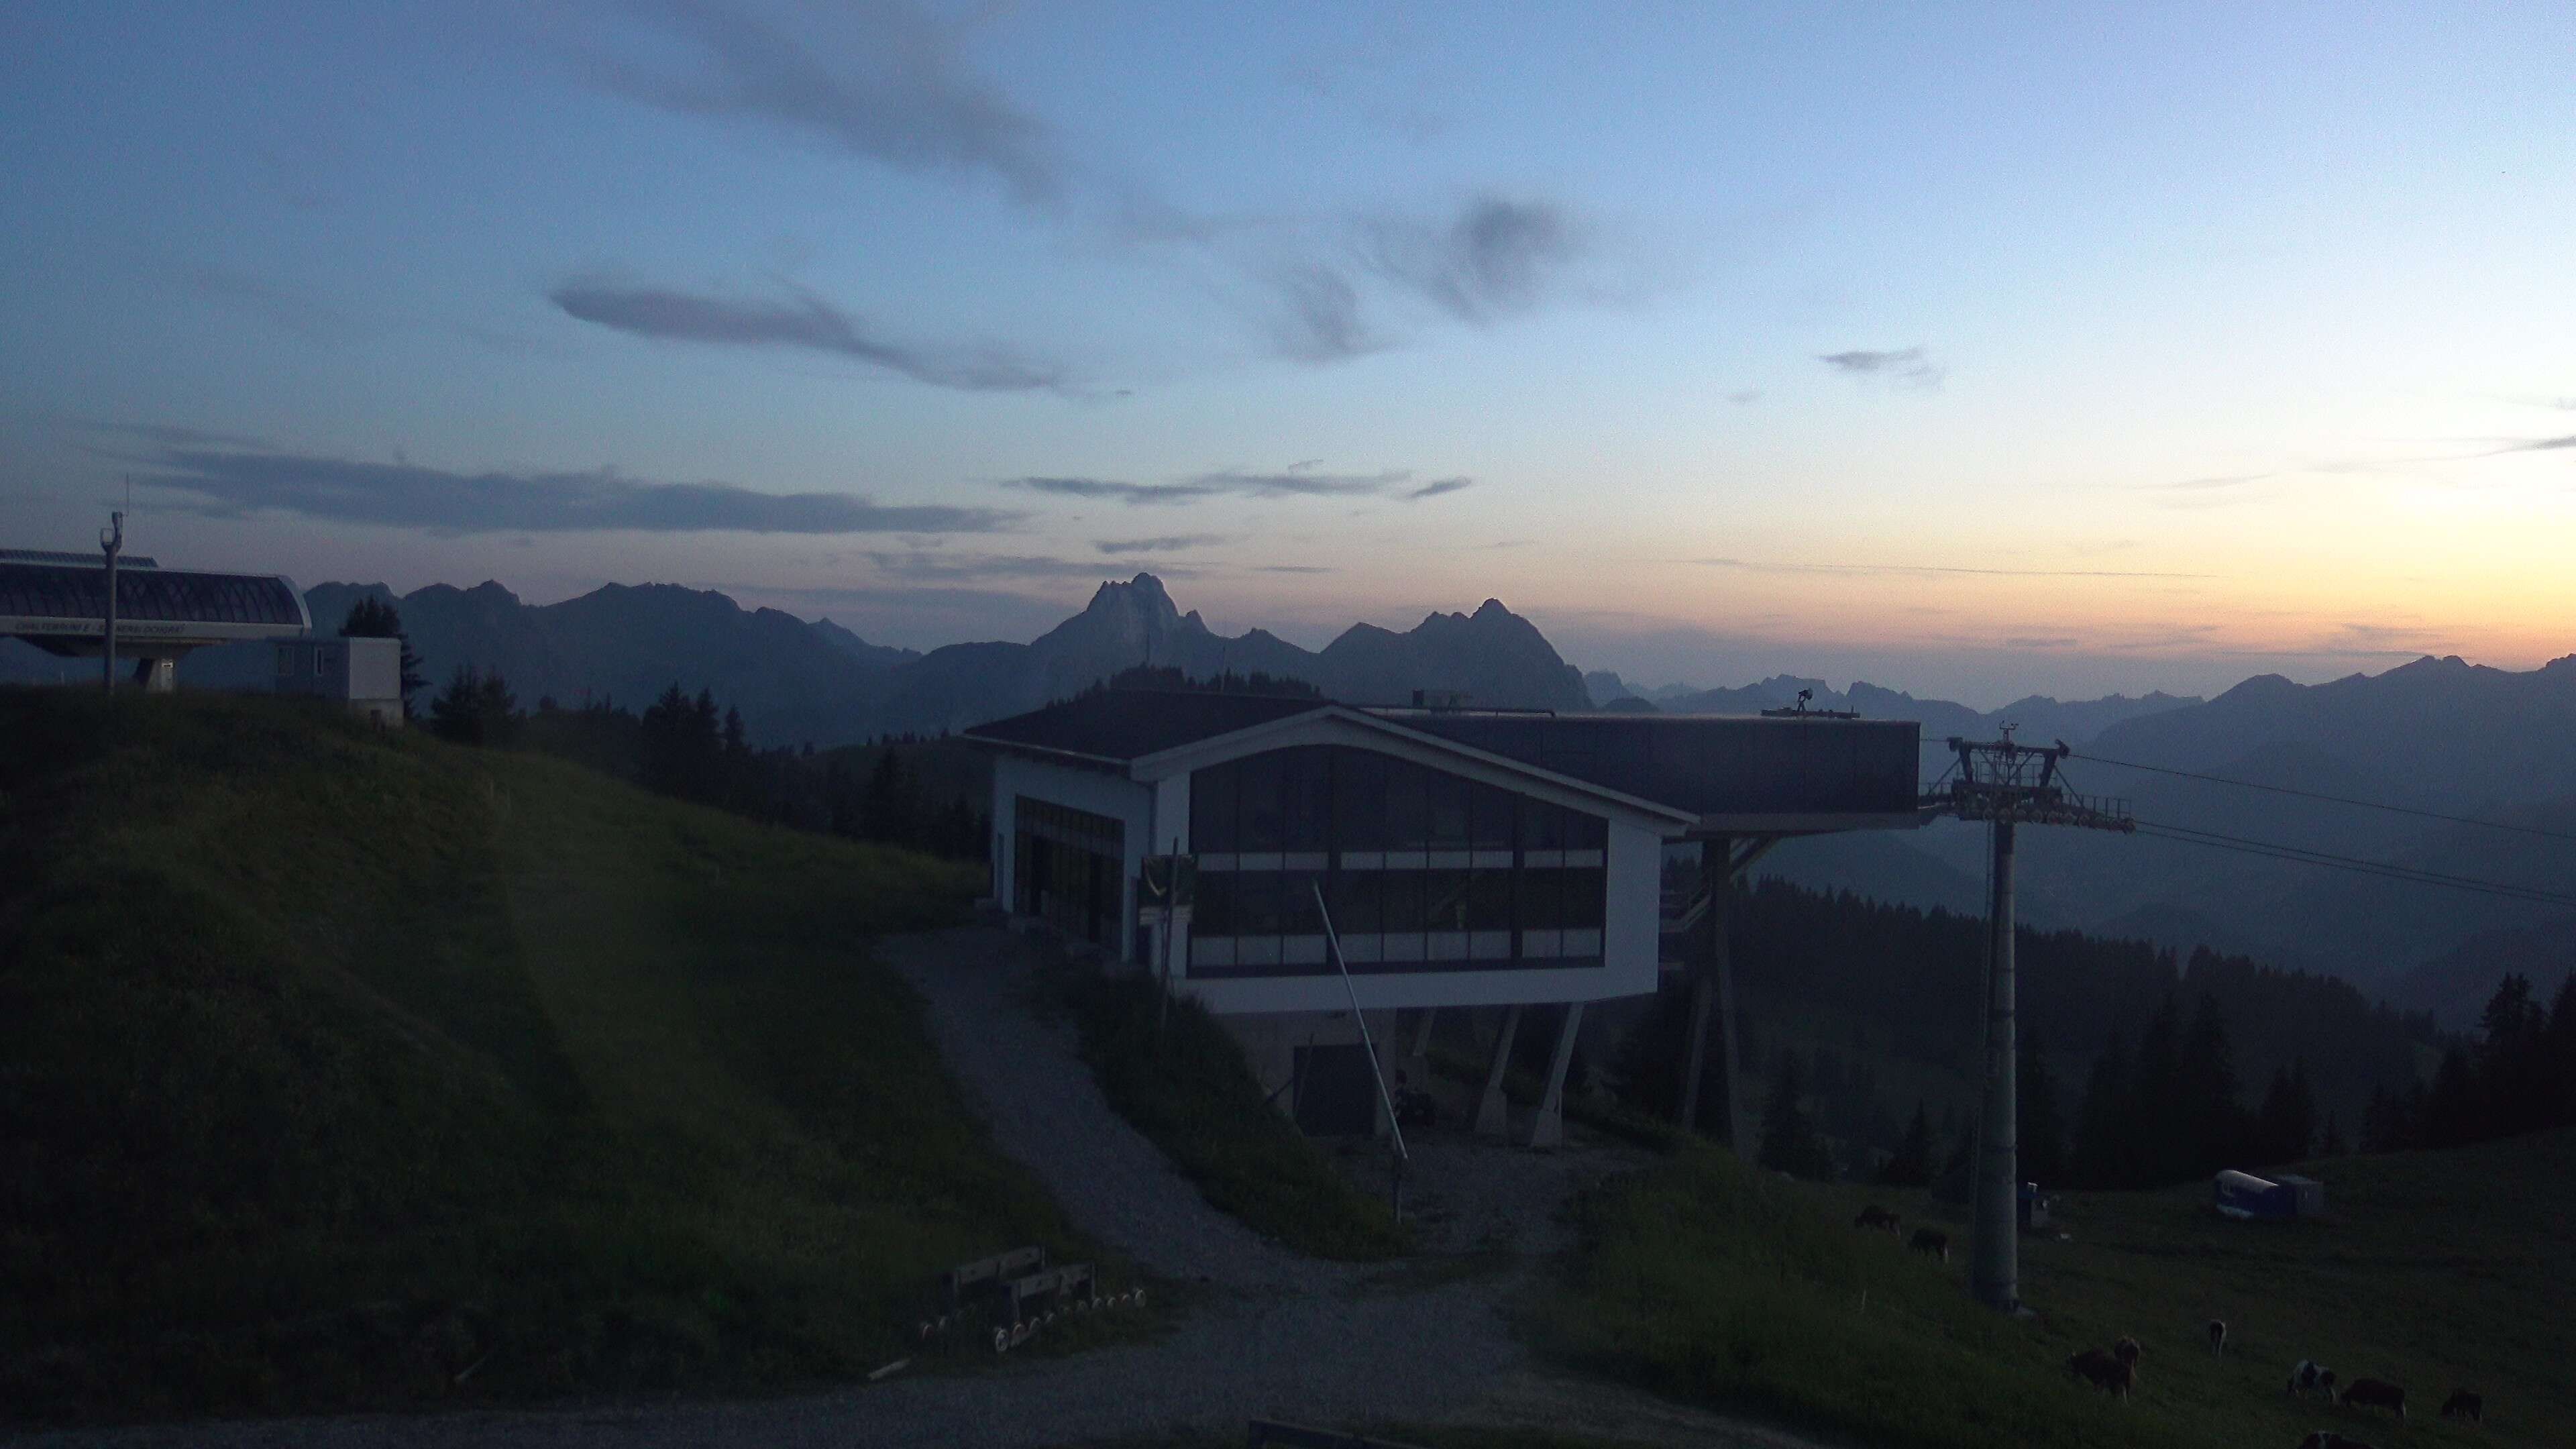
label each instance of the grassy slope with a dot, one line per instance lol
(1191, 1093)
(335, 1061)
(2437, 1270)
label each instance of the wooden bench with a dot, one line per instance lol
(1267, 1434)
(995, 1271)
(1069, 1282)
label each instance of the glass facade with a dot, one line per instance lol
(1423, 870)
(1067, 867)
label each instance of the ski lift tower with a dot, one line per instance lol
(2008, 784)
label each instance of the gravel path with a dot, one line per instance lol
(1278, 1335)
(1024, 1073)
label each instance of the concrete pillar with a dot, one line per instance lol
(1549, 1129)
(1493, 1114)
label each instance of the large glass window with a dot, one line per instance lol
(1422, 869)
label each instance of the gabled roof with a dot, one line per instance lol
(1721, 774)
(1127, 724)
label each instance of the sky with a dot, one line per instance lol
(1973, 350)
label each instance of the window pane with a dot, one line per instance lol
(1357, 898)
(1448, 812)
(1584, 893)
(1408, 806)
(1359, 800)
(1213, 909)
(1257, 903)
(1309, 797)
(1212, 819)
(1535, 898)
(1444, 896)
(1586, 832)
(1542, 825)
(1489, 901)
(1403, 900)
(1297, 913)
(1490, 820)
(1263, 825)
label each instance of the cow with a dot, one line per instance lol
(2113, 1369)
(1931, 1242)
(2329, 1439)
(1874, 1217)
(2374, 1394)
(2311, 1377)
(2218, 1337)
(2465, 1405)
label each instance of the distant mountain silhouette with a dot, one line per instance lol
(797, 681)
(1493, 656)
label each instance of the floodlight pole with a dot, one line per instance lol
(111, 541)
(2005, 783)
(1394, 1128)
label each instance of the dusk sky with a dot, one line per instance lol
(1971, 350)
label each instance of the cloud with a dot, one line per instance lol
(1923, 570)
(2539, 445)
(874, 78)
(1167, 543)
(1318, 315)
(1292, 569)
(2037, 641)
(1296, 482)
(807, 322)
(164, 435)
(235, 483)
(939, 565)
(1905, 366)
(1494, 258)
(2206, 485)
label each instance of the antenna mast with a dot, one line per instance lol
(2007, 784)
(111, 541)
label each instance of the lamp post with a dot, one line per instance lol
(111, 541)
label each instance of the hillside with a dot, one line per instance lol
(338, 1061)
(2432, 1270)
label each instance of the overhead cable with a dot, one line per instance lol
(2334, 799)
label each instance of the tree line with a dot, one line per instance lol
(2516, 1075)
(2137, 1065)
(690, 747)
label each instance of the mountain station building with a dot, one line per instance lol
(1474, 859)
(58, 602)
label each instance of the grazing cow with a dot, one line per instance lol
(2311, 1377)
(2218, 1337)
(2375, 1394)
(2329, 1439)
(2465, 1405)
(1932, 1243)
(2114, 1369)
(1874, 1216)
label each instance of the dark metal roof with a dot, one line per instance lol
(1125, 724)
(1702, 765)
(65, 591)
(90, 560)
(1706, 764)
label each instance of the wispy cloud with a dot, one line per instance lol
(1494, 257)
(1167, 543)
(1904, 366)
(1297, 482)
(1317, 314)
(232, 483)
(2539, 445)
(806, 321)
(1292, 569)
(942, 566)
(875, 78)
(1934, 570)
